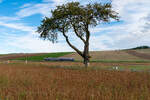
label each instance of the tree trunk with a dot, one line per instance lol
(86, 49)
(86, 61)
(86, 55)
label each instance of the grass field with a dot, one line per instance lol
(41, 57)
(40, 80)
(36, 81)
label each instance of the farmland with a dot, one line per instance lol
(99, 56)
(116, 55)
(41, 80)
(32, 57)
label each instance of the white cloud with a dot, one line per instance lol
(5, 18)
(57, 2)
(100, 43)
(26, 5)
(31, 43)
(132, 32)
(43, 9)
(18, 26)
(128, 34)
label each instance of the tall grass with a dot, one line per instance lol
(27, 82)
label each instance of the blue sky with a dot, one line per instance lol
(19, 20)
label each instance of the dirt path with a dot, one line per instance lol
(140, 55)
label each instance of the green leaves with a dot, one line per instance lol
(75, 16)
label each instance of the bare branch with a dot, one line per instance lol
(77, 34)
(72, 46)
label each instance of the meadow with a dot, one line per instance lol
(38, 81)
(41, 80)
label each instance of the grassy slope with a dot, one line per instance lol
(146, 51)
(112, 56)
(41, 57)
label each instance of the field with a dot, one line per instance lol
(142, 55)
(116, 55)
(42, 56)
(32, 56)
(36, 81)
(41, 80)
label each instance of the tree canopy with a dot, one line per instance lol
(78, 18)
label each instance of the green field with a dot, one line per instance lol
(41, 57)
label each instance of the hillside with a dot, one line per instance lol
(116, 55)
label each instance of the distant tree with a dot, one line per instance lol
(140, 47)
(79, 18)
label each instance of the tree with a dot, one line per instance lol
(78, 18)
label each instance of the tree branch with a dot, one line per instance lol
(77, 34)
(86, 47)
(72, 46)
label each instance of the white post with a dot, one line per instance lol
(8, 61)
(88, 64)
(26, 59)
(116, 67)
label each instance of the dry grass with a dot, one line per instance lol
(38, 82)
(107, 55)
(80, 64)
(145, 51)
(94, 64)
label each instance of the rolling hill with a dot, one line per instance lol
(116, 55)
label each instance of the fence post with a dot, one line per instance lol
(8, 61)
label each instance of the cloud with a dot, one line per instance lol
(30, 44)
(57, 2)
(101, 42)
(18, 26)
(26, 5)
(146, 27)
(133, 31)
(43, 9)
(7, 19)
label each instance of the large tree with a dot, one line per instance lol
(77, 18)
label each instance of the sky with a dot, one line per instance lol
(19, 20)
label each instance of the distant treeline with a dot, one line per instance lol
(140, 47)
